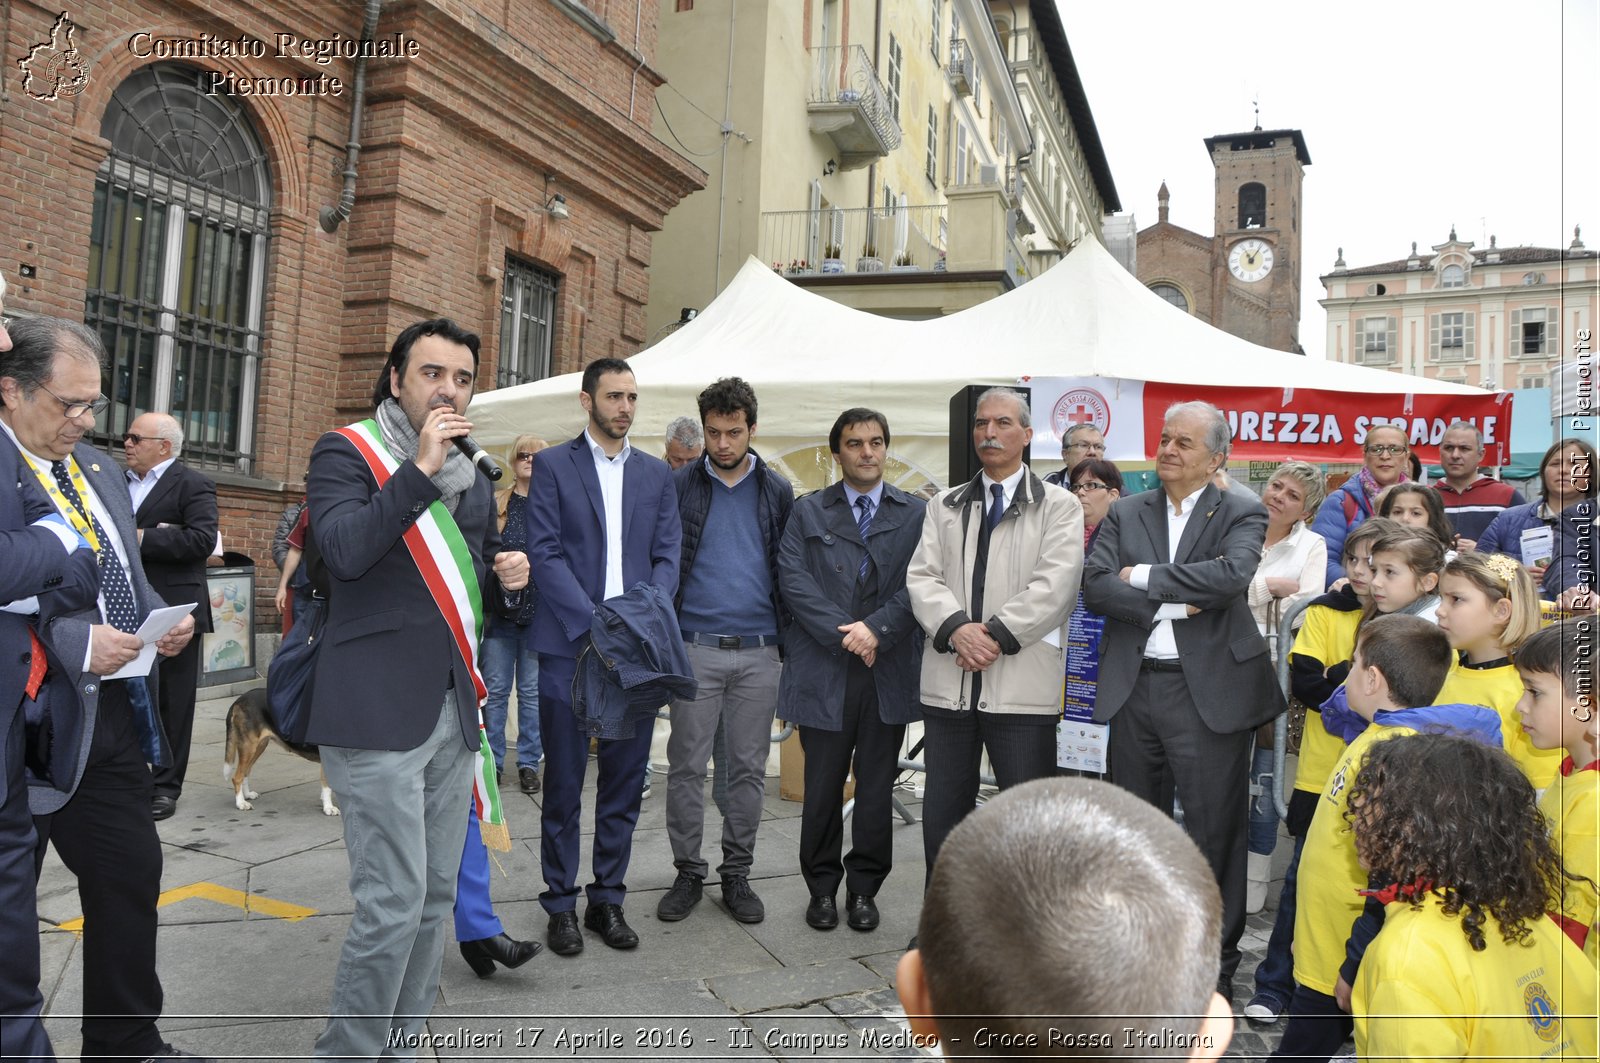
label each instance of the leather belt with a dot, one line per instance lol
(729, 642)
(1160, 664)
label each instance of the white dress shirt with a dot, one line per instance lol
(139, 487)
(1008, 489)
(1163, 643)
(609, 470)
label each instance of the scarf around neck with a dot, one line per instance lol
(453, 478)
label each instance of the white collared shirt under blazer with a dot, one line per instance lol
(1030, 586)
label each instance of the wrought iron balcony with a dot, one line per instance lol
(960, 68)
(848, 104)
(856, 240)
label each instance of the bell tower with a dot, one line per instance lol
(1256, 250)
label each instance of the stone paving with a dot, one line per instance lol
(257, 907)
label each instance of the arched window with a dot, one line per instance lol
(1252, 205)
(1452, 277)
(177, 262)
(1172, 294)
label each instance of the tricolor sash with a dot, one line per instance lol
(445, 563)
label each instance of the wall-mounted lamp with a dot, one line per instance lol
(555, 205)
(828, 170)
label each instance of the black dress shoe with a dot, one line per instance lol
(162, 806)
(528, 779)
(1225, 987)
(861, 912)
(168, 1052)
(823, 912)
(563, 934)
(606, 920)
(507, 951)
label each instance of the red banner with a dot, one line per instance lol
(1281, 423)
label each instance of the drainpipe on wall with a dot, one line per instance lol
(872, 168)
(331, 217)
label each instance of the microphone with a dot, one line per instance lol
(478, 455)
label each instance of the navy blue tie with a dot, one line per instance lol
(999, 506)
(863, 522)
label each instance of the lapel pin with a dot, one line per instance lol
(95, 466)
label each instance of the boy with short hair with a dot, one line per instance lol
(1558, 711)
(1106, 944)
(1399, 665)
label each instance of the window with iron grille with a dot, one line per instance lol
(177, 263)
(527, 323)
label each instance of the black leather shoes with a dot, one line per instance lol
(606, 920)
(507, 951)
(168, 1052)
(861, 912)
(162, 806)
(563, 934)
(528, 780)
(822, 913)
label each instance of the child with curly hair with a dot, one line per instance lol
(1558, 712)
(1466, 966)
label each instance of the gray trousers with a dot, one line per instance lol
(739, 687)
(404, 830)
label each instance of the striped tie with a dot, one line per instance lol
(863, 522)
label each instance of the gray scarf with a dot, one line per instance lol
(453, 479)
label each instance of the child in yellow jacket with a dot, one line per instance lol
(1558, 712)
(1467, 965)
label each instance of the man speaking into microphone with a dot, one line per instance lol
(407, 528)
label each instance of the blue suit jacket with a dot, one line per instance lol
(567, 539)
(387, 657)
(34, 565)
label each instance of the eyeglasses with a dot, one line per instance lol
(1098, 448)
(132, 437)
(74, 410)
(524, 455)
(1385, 449)
(1089, 485)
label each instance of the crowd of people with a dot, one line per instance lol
(1443, 812)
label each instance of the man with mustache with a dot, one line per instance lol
(992, 583)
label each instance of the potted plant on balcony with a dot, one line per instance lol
(903, 263)
(869, 262)
(939, 263)
(799, 265)
(833, 259)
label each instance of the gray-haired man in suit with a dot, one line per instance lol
(101, 825)
(1184, 672)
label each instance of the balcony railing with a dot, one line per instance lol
(848, 104)
(792, 237)
(960, 68)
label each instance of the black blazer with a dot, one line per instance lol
(175, 556)
(387, 658)
(1225, 661)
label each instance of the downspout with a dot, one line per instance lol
(727, 128)
(331, 217)
(872, 168)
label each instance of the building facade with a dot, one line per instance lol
(1245, 278)
(869, 149)
(1065, 190)
(183, 179)
(1501, 318)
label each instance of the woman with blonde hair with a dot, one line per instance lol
(504, 656)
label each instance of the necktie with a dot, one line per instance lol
(37, 666)
(122, 612)
(863, 522)
(999, 505)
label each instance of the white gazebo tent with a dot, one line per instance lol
(808, 358)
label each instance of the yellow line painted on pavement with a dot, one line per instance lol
(210, 891)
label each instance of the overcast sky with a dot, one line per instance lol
(1416, 116)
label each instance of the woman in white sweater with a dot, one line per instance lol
(1292, 569)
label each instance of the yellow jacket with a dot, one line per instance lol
(1500, 689)
(1327, 635)
(1423, 993)
(1572, 808)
